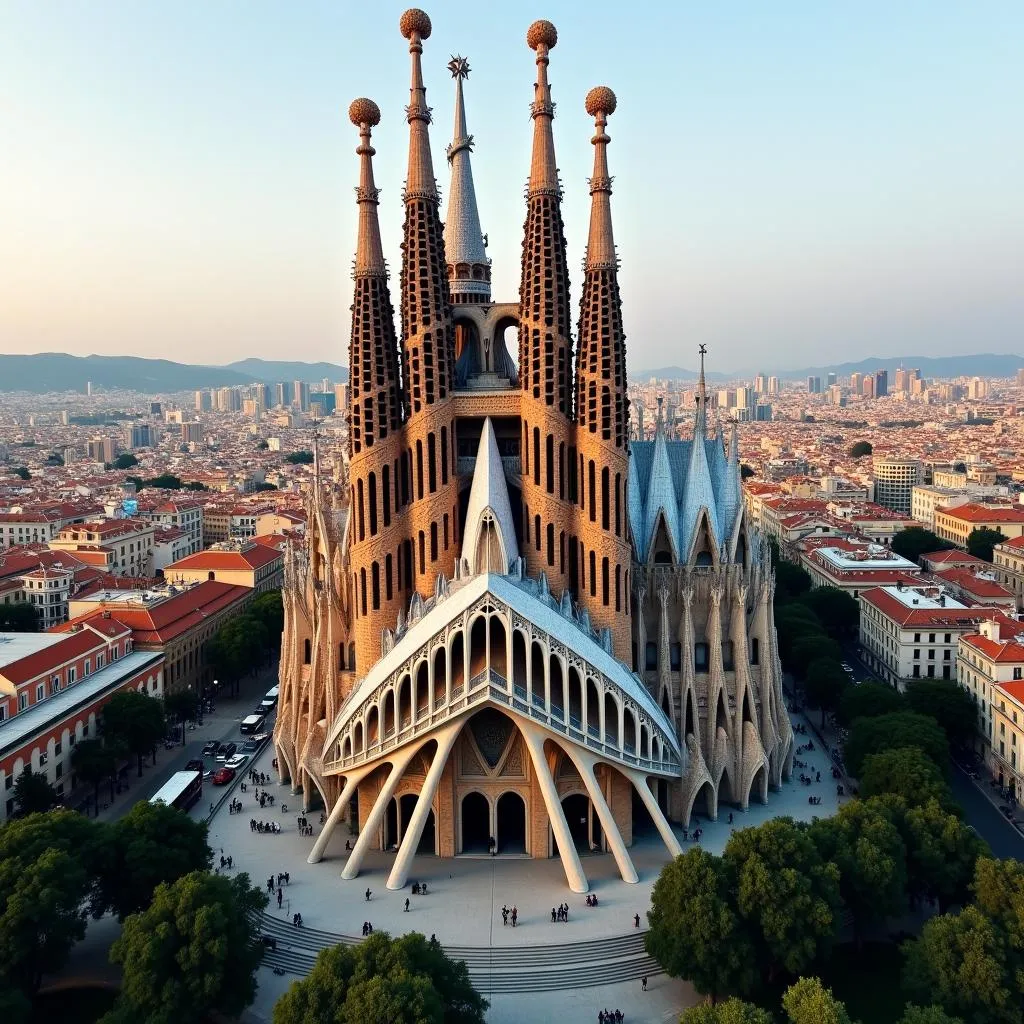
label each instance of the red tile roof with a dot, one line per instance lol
(254, 557)
(904, 616)
(34, 665)
(983, 514)
(973, 584)
(953, 557)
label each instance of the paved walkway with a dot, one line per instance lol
(467, 893)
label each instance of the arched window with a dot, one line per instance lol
(359, 508)
(618, 509)
(618, 588)
(385, 486)
(423, 553)
(432, 462)
(387, 576)
(536, 532)
(551, 544)
(372, 481)
(755, 651)
(362, 590)
(593, 572)
(700, 657)
(444, 457)
(592, 480)
(604, 582)
(419, 469)
(549, 452)
(433, 542)
(307, 651)
(536, 456)
(375, 585)
(561, 470)
(605, 498)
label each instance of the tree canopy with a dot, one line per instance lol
(303, 458)
(406, 980)
(785, 892)
(809, 1002)
(125, 461)
(732, 1011)
(790, 581)
(915, 541)
(151, 844)
(981, 541)
(859, 449)
(949, 704)
(23, 472)
(94, 762)
(136, 720)
(33, 793)
(906, 772)
(695, 931)
(20, 617)
(837, 611)
(889, 731)
(196, 948)
(824, 685)
(868, 700)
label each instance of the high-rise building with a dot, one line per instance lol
(814, 385)
(495, 644)
(300, 395)
(760, 384)
(203, 401)
(895, 480)
(1020, 377)
(259, 394)
(773, 386)
(868, 386)
(831, 379)
(856, 382)
(192, 433)
(282, 395)
(139, 435)
(155, 409)
(229, 400)
(103, 449)
(88, 387)
(341, 399)
(881, 383)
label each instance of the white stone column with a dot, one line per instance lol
(574, 875)
(660, 821)
(372, 824)
(585, 766)
(445, 741)
(351, 781)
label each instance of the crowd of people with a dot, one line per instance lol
(561, 912)
(507, 915)
(265, 828)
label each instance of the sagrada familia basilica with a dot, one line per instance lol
(515, 630)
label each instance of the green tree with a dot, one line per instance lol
(182, 706)
(125, 461)
(906, 772)
(949, 704)
(42, 915)
(887, 732)
(384, 980)
(746, 472)
(869, 699)
(838, 612)
(860, 449)
(304, 458)
(23, 472)
(137, 480)
(915, 541)
(791, 581)
(269, 609)
(824, 685)
(810, 648)
(927, 1015)
(809, 1002)
(981, 541)
(732, 1011)
(15, 1007)
(785, 892)
(33, 793)
(136, 720)
(262, 446)
(166, 481)
(793, 622)
(695, 932)
(942, 852)
(152, 844)
(195, 949)
(960, 961)
(998, 889)
(20, 617)
(93, 763)
(54, 459)
(866, 846)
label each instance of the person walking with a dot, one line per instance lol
(515, 914)
(280, 897)
(504, 916)
(643, 983)
(407, 904)
(367, 895)
(636, 920)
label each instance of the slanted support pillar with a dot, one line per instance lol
(351, 781)
(660, 821)
(585, 766)
(445, 741)
(566, 847)
(366, 834)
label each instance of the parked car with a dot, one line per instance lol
(236, 761)
(210, 748)
(195, 765)
(222, 776)
(226, 750)
(250, 747)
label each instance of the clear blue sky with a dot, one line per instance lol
(794, 183)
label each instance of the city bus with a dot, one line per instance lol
(180, 791)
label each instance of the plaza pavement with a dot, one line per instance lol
(467, 893)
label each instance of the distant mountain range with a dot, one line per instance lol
(57, 371)
(984, 365)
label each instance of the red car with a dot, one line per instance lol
(222, 776)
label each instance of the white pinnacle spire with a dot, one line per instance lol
(463, 240)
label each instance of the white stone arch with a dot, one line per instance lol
(611, 728)
(478, 659)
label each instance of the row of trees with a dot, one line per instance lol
(247, 642)
(57, 868)
(915, 541)
(20, 617)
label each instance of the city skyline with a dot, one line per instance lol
(182, 185)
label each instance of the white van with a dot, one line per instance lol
(251, 724)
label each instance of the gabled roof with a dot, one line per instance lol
(489, 505)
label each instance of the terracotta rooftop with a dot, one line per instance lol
(983, 514)
(254, 557)
(953, 557)
(979, 586)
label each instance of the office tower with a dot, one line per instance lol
(814, 385)
(760, 384)
(881, 383)
(259, 394)
(341, 399)
(65, 417)
(831, 379)
(773, 386)
(138, 435)
(300, 395)
(103, 449)
(282, 395)
(856, 382)
(203, 403)
(895, 480)
(88, 387)
(192, 433)
(868, 386)
(155, 408)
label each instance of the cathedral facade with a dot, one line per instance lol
(515, 630)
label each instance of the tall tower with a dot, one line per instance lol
(429, 480)
(469, 269)
(545, 348)
(375, 430)
(602, 407)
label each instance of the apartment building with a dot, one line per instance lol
(184, 513)
(241, 563)
(895, 479)
(52, 689)
(910, 633)
(1008, 565)
(127, 544)
(957, 524)
(855, 564)
(990, 666)
(20, 525)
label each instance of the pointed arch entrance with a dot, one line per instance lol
(511, 824)
(474, 824)
(584, 825)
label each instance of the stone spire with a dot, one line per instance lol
(374, 388)
(469, 270)
(699, 492)
(428, 352)
(602, 404)
(545, 349)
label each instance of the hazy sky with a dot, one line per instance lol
(795, 182)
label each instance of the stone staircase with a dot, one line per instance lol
(493, 969)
